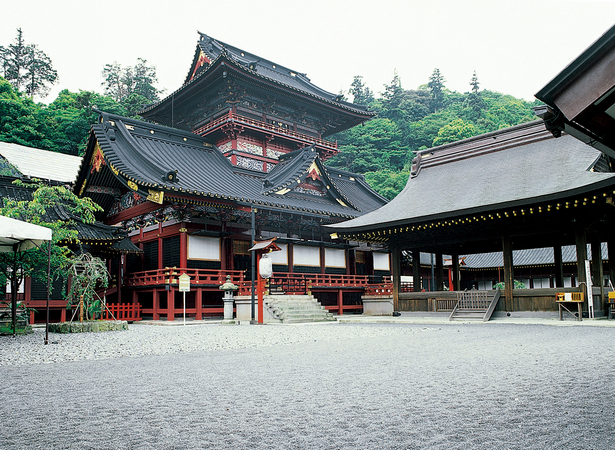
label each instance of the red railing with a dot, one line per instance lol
(264, 126)
(280, 282)
(122, 311)
(170, 275)
(384, 289)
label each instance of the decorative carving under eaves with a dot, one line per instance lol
(126, 201)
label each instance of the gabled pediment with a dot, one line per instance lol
(303, 173)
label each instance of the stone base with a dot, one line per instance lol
(95, 326)
(377, 306)
(228, 322)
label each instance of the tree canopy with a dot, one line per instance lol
(27, 67)
(33, 263)
(409, 120)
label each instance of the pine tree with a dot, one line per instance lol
(27, 67)
(436, 86)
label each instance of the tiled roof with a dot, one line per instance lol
(213, 48)
(223, 57)
(528, 257)
(496, 170)
(43, 164)
(140, 154)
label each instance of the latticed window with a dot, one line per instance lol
(241, 247)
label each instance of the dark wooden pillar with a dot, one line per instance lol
(416, 270)
(291, 257)
(508, 272)
(439, 272)
(559, 266)
(396, 275)
(321, 254)
(348, 262)
(455, 267)
(581, 245)
(611, 251)
(597, 274)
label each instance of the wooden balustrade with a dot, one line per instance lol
(170, 275)
(263, 126)
(122, 311)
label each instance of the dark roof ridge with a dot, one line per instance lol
(493, 141)
(313, 91)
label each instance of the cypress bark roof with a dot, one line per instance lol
(502, 169)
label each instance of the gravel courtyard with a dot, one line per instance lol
(325, 386)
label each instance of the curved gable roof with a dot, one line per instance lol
(140, 156)
(502, 169)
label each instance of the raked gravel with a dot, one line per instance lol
(329, 386)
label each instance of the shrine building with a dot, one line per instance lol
(547, 184)
(236, 154)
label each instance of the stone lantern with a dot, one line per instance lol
(228, 289)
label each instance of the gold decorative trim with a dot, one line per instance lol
(155, 196)
(132, 185)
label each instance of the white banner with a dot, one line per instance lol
(280, 257)
(306, 256)
(335, 257)
(204, 248)
(381, 261)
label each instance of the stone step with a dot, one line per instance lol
(297, 309)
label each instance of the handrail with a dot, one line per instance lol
(230, 117)
(280, 281)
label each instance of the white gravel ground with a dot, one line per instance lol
(329, 386)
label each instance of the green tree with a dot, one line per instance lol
(22, 121)
(454, 131)
(27, 67)
(474, 101)
(131, 86)
(74, 114)
(388, 183)
(376, 145)
(33, 263)
(362, 95)
(436, 87)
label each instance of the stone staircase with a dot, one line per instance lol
(296, 309)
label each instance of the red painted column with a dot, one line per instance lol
(156, 304)
(198, 303)
(340, 302)
(171, 304)
(183, 247)
(62, 314)
(259, 290)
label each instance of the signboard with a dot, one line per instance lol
(590, 296)
(184, 283)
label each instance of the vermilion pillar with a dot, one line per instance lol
(183, 247)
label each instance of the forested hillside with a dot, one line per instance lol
(411, 120)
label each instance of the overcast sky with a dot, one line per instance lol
(515, 47)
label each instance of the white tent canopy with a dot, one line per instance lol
(17, 236)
